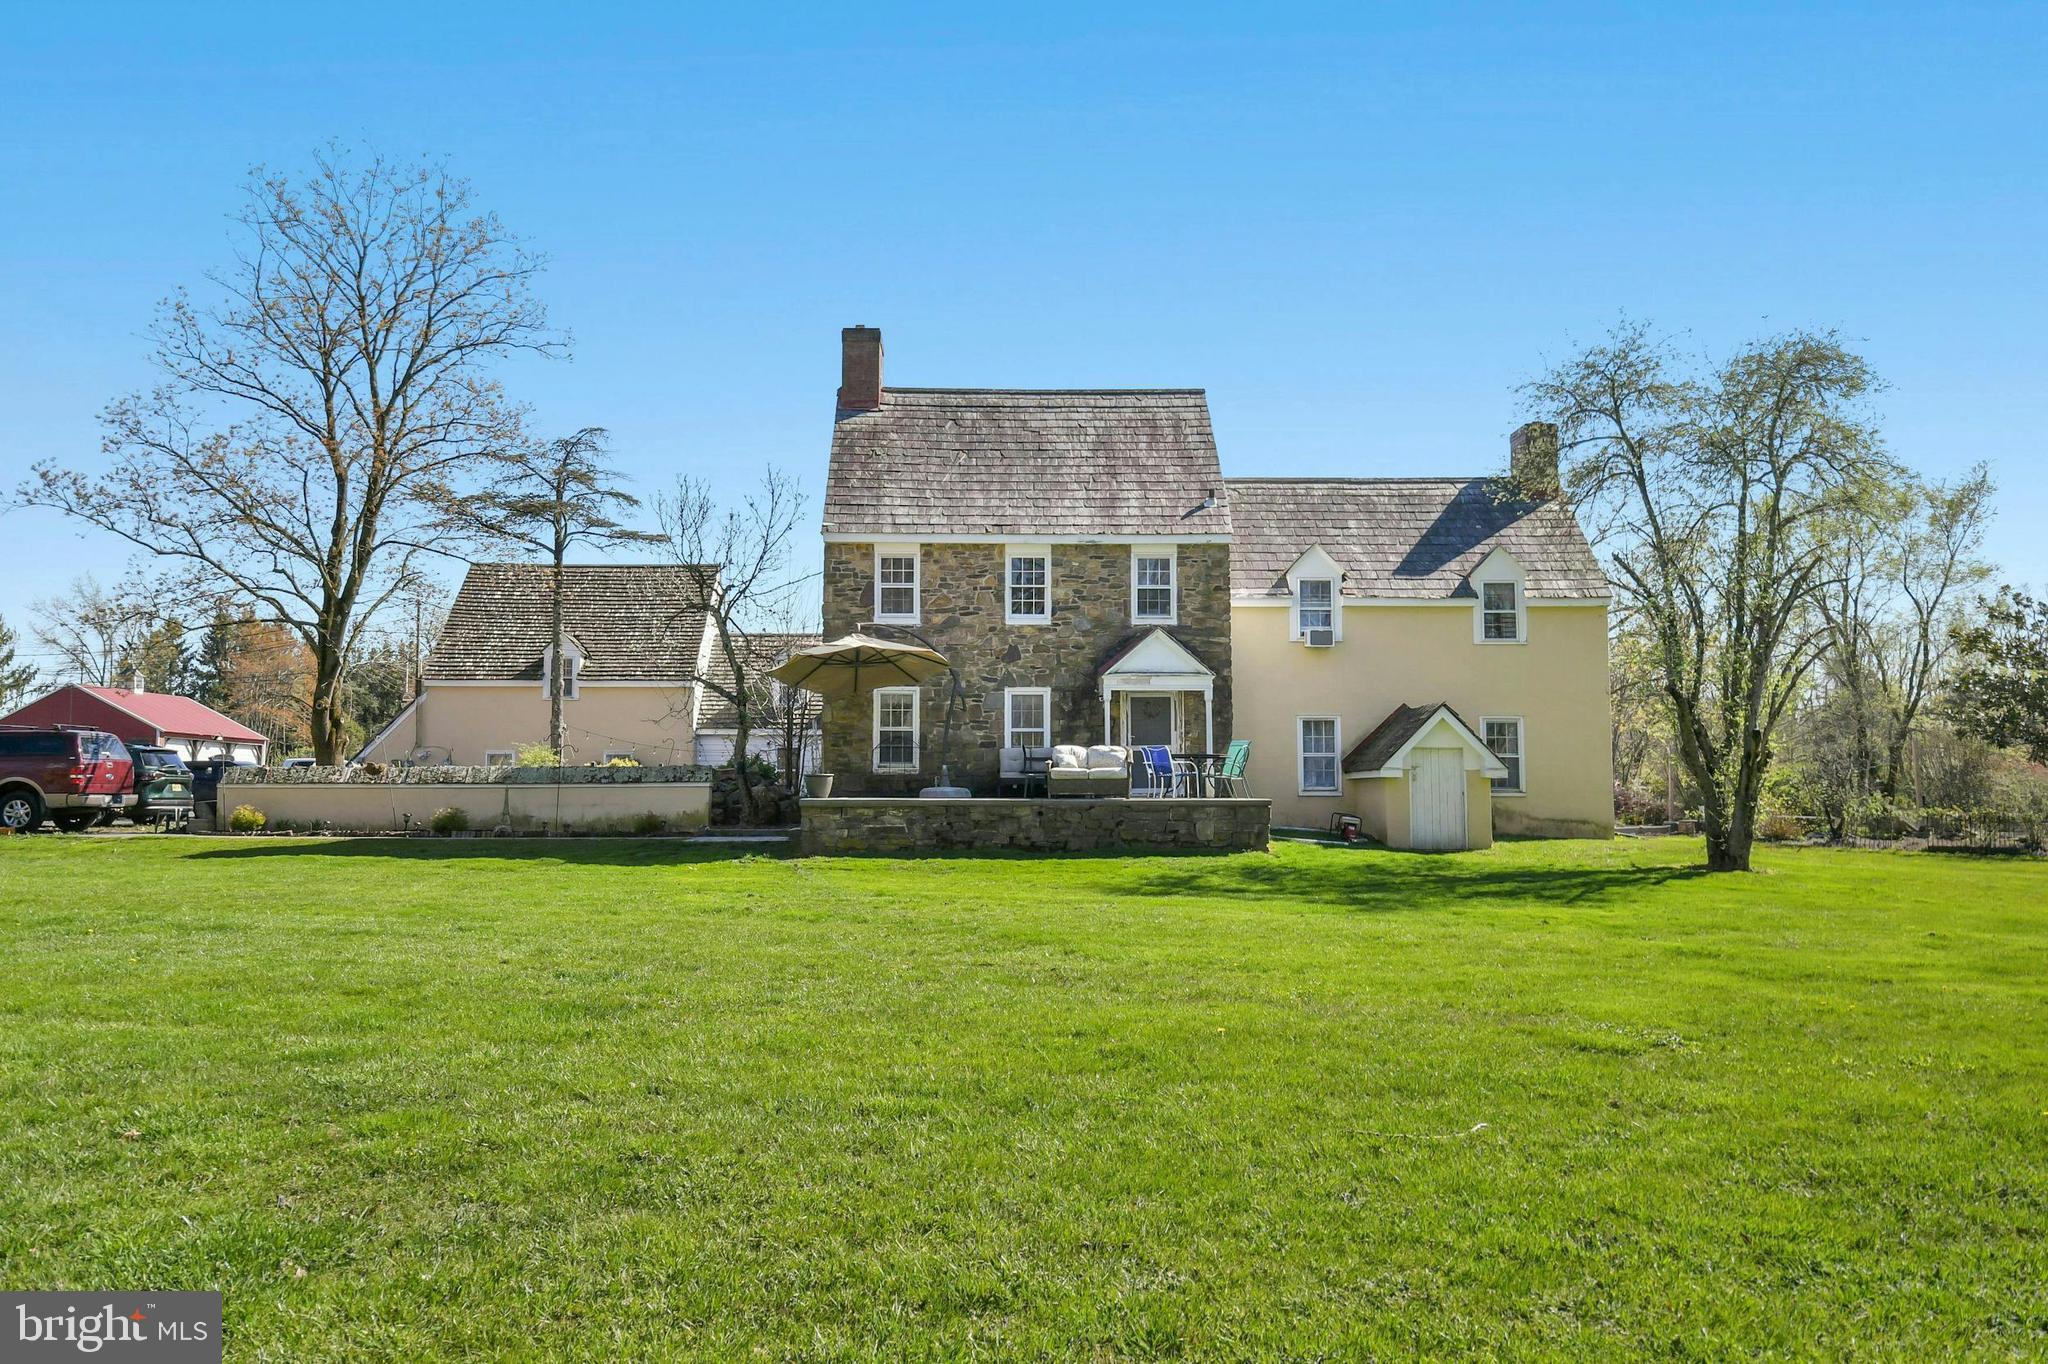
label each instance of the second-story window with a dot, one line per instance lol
(1029, 586)
(896, 586)
(1502, 613)
(1314, 600)
(1152, 587)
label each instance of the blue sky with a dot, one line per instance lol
(1358, 228)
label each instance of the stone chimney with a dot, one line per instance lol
(860, 369)
(1532, 459)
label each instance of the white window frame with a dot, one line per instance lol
(572, 665)
(916, 729)
(493, 757)
(916, 557)
(1010, 695)
(1168, 553)
(1519, 610)
(1302, 755)
(1521, 787)
(1301, 625)
(1012, 553)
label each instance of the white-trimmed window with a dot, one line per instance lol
(572, 673)
(1503, 735)
(1315, 605)
(1154, 591)
(499, 757)
(896, 585)
(896, 729)
(612, 755)
(1500, 612)
(1316, 738)
(1027, 717)
(1027, 585)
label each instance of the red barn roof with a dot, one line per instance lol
(147, 714)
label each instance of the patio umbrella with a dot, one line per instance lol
(856, 664)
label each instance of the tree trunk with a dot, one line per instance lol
(328, 731)
(555, 662)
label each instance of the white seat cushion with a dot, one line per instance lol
(1069, 755)
(1108, 757)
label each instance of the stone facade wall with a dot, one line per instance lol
(961, 608)
(832, 827)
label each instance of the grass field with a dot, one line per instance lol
(603, 1100)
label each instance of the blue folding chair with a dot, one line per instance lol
(1163, 775)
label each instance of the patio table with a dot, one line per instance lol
(1205, 771)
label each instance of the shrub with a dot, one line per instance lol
(623, 762)
(537, 755)
(246, 819)
(448, 819)
(373, 769)
(649, 823)
(1780, 828)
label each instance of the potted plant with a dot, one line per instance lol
(817, 785)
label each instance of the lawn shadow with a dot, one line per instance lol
(1404, 881)
(596, 852)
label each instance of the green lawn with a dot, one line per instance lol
(605, 1101)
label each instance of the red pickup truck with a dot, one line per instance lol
(73, 776)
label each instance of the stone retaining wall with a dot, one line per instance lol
(559, 807)
(911, 826)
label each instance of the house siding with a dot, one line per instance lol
(961, 614)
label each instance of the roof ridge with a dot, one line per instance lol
(1360, 478)
(1055, 392)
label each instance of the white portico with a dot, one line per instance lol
(1141, 686)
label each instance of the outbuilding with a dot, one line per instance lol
(143, 717)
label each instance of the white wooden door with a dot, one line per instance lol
(1436, 799)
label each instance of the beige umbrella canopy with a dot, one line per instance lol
(855, 664)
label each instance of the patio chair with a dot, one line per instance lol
(1022, 769)
(1164, 775)
(1230, 777)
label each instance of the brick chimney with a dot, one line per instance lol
(860, 369)
(1532, 459)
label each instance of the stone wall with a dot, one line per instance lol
(961, 603)
(912, 826)
(521, 806)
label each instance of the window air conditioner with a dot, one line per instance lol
(1321, 639)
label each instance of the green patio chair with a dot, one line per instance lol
(1230, 777)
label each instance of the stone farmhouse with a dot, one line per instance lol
(1426, 655)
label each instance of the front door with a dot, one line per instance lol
(1148, 718)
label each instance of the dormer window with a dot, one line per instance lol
(572, 672)
(1314, 604)
(1500, 606)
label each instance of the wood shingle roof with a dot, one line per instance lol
(632, 623)
(1404, 537)
(933, 462)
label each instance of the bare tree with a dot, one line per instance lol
(735, 564)
(550, 497)
(302, 416)
(106, 636)
(1904, 570)
(1716, 498)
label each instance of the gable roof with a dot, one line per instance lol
(176, 715)
(933, 462)
(1389, 741)
(629, 620)
(1404, 537)
(1154, 651)
(768, 649)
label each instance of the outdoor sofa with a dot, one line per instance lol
(1100, 770)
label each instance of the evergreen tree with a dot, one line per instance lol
(17, 679)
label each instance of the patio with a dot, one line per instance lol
(909, 824)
